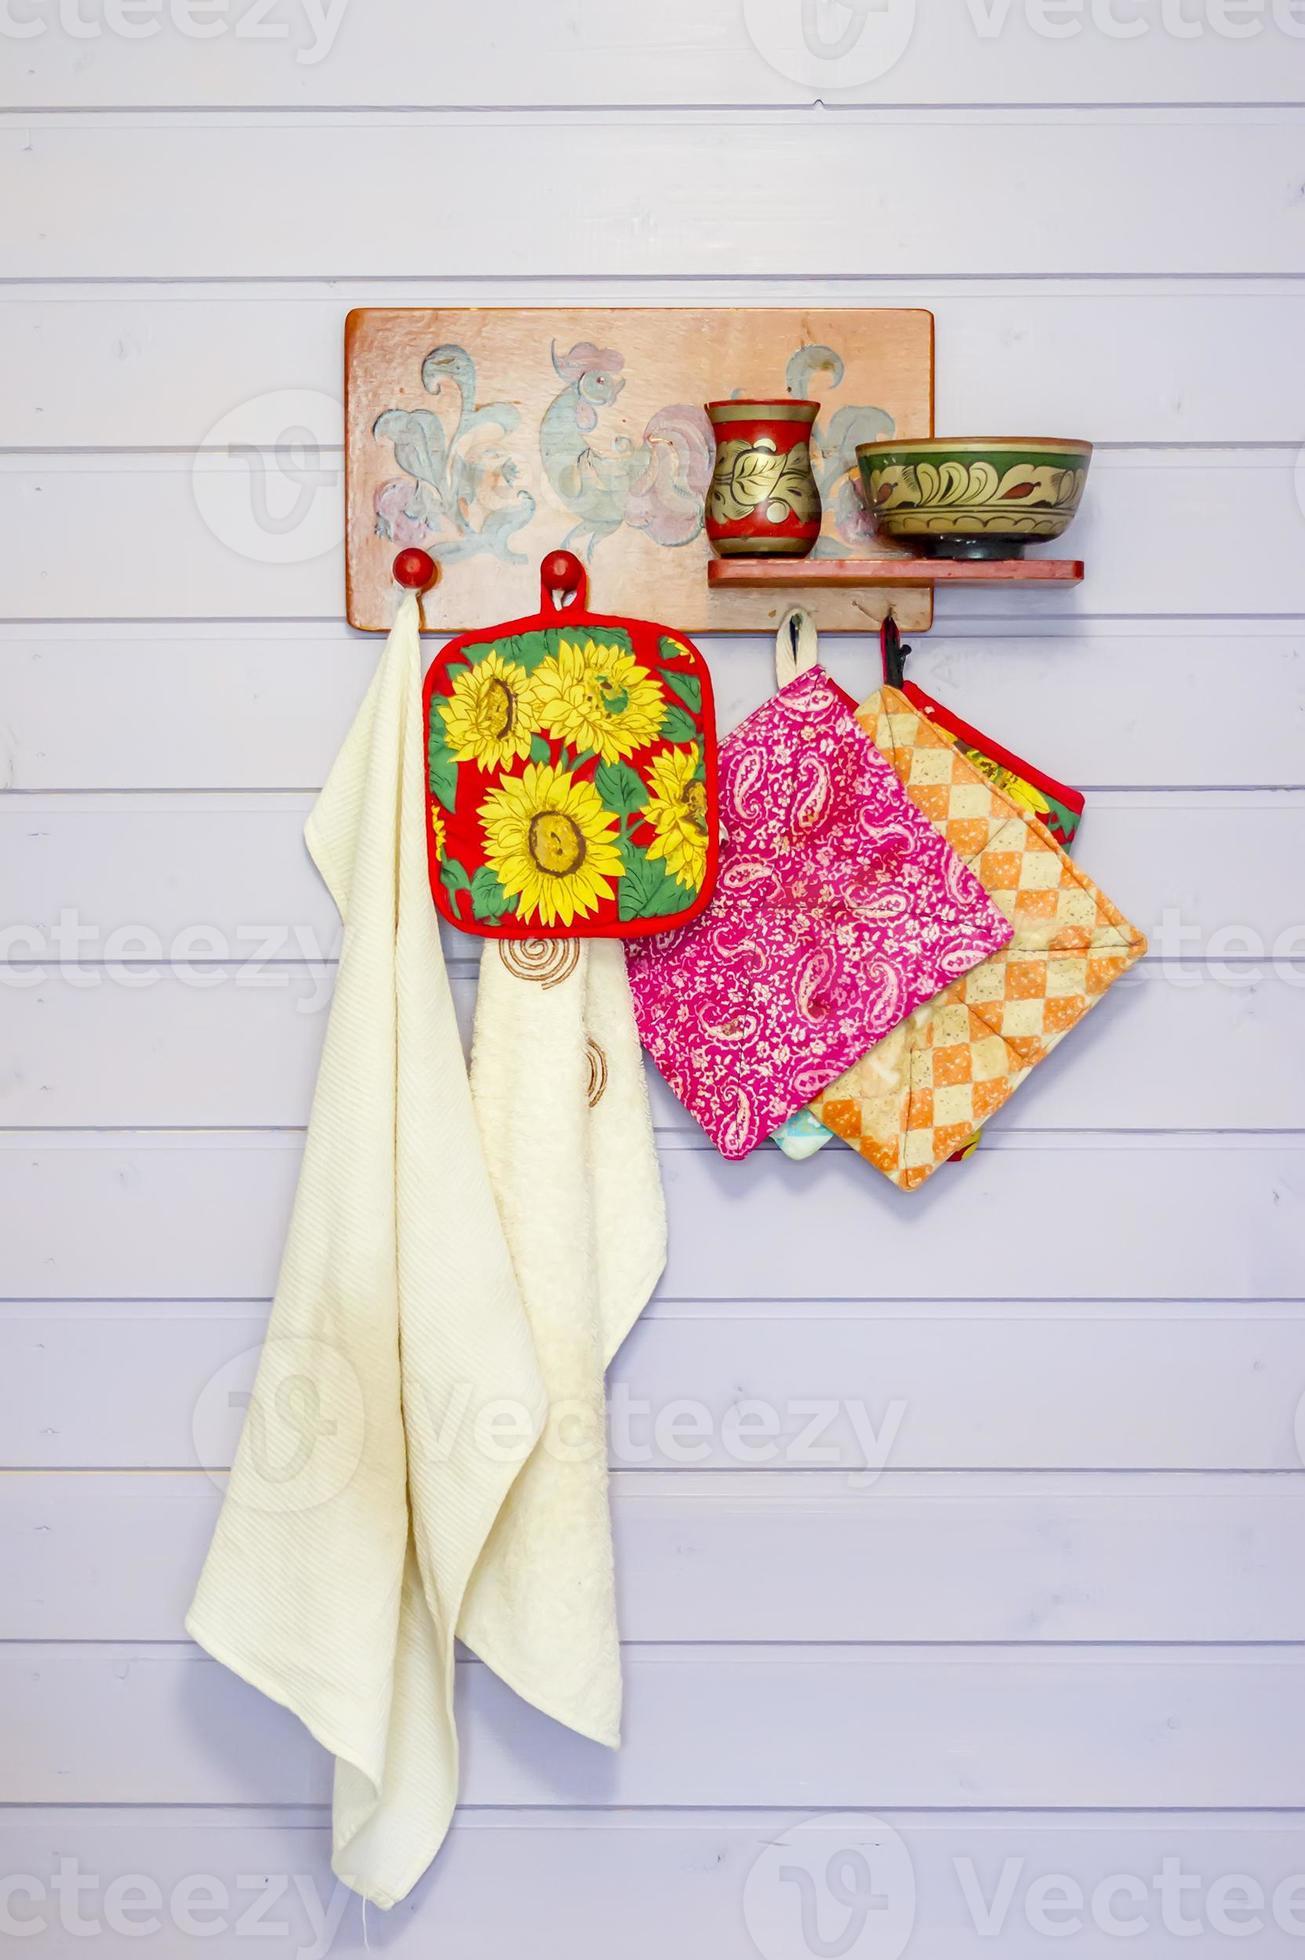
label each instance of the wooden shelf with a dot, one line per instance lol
(815, 572)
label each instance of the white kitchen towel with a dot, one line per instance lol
(435, 1298)
(363, 1489)
(558, 1084)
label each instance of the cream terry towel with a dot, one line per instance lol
(557, 1078)
(400, 1391)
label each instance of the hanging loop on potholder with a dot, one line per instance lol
(571, 772)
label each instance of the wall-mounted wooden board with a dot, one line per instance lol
(489, 436)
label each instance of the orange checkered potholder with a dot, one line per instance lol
(923, 1090)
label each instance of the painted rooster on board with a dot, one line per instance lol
(656, 485)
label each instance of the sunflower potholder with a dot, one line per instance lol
(571, 773)
(920, 1093)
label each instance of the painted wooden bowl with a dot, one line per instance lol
(973, 496)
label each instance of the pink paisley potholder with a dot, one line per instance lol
(839, 909)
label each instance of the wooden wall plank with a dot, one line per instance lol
(216, 1047)
(680, 52)
(257, 536)
(1105, 703)
(829, 1726)
(1033, 1217)
(164, 365)
(150, 878)
(967, 1557)
(74, 195)
(1126, 1386)
(557, 1882)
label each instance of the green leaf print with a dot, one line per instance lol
(441, 769)
(687, 686)
(453, 877)
(489, 901)
(647, 891)
(622, 789)
(679, 727)
(540, 749)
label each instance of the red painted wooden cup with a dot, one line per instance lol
(763, 500)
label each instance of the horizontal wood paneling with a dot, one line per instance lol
(208, 876)
(1102, 702)
(1144, 511)
(985, 1727)
(681, 195)
(217, 1047)
(647, 1883)
(163, 366)
(915, 1558)
(1034, 1217)
(1061, 1386)
(679, 52)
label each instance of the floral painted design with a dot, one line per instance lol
(571, 774)
(472, 477)
(460, 493)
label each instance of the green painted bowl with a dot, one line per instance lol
(973, 496)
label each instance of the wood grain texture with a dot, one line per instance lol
(968, 1557)
(71, 204)
(843, 1726)
(1052, 1385)
(1035, 1217)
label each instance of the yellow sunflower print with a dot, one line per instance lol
(551, 843)
(491, 715)
(598, 698)
(439, 832)
(678, 813)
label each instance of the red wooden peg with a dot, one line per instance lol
(561, 574)
(414, 569)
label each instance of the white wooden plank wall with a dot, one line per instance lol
(959, 1535)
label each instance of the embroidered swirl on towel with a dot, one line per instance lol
(548, 961)
(596, 1062)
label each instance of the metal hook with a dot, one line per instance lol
(893, 650)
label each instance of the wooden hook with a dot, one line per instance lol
(414, 570)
